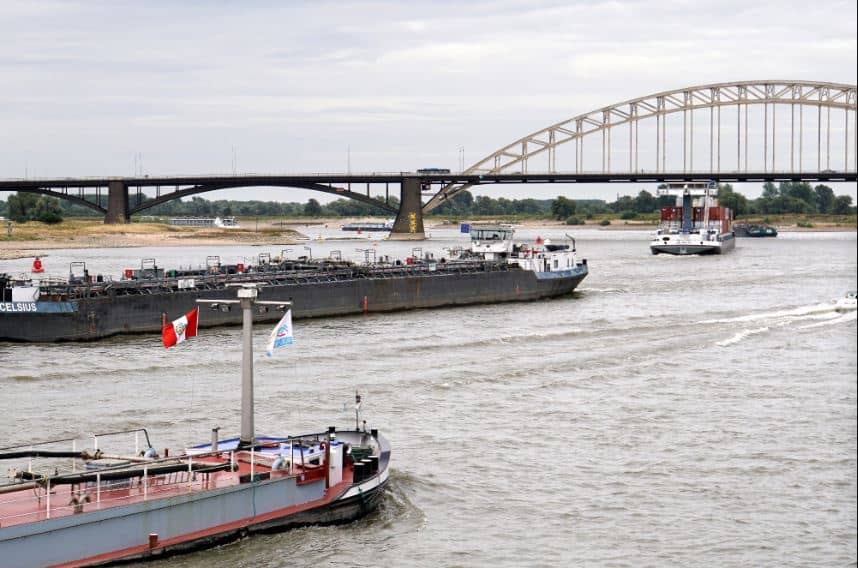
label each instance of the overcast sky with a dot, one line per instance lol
(90, 88)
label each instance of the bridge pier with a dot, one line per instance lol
(117, 203)
(409, 221)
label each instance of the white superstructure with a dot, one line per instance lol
(696, 225)
(495, 242)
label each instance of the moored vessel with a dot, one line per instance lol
(368, 226)
(83, 307)
(693, 226)
(66, 504)
(754, 230)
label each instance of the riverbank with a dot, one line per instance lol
(36, 239)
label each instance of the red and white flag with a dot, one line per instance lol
(180, 329)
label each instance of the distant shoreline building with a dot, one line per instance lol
(216, 222)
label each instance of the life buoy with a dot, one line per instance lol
(37, 265)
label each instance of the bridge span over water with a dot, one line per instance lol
(750, 131)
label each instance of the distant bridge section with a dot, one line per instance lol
(112, 194)
(745, 130)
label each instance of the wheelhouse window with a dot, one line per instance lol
(493, 234)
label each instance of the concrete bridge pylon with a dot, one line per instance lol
(117, 203)
(409, 221)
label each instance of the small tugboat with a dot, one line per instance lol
(68, 506)
(693, 226)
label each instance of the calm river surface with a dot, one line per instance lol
(683, 411)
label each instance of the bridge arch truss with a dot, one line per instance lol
(799, 138)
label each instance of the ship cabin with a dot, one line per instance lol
(550, 258)
(492, 241)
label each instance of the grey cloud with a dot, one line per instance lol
(163, 77)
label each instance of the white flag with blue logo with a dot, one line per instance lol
(281, 335)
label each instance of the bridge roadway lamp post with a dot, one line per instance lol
(246, 298)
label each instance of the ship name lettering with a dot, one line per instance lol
(18, 307)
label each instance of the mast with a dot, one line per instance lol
(246, 298)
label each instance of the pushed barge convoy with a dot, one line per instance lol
(493, 269)
(115, 497)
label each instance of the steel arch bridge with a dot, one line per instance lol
(755, 132)
(716, 132)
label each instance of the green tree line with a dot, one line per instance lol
(24, 207)
(783, 198)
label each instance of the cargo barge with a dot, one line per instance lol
(693, 226)
(86, 307)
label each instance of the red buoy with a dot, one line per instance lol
(37, 266)
(538, 240)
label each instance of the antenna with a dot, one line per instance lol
(568, 236)
(357, 410)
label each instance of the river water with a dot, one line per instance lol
(684, 411)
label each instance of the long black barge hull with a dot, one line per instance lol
(104, 316)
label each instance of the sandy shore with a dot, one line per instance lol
(79, 234)
(106, 238)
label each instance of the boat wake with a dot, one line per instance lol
(820, 315)
(852, 316)
(802, 312)
(745, 333)
(397, 507)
